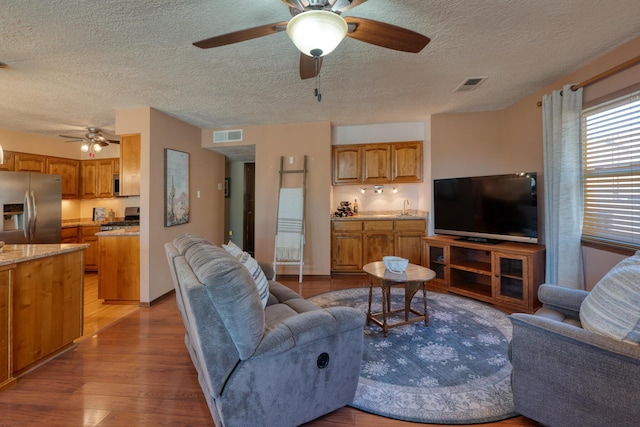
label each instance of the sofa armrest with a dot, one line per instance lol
(267, 269)
(562, 299)
(309, 326)
(549, 329)
(565, 375)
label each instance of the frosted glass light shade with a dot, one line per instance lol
(85, 147)
(97, 147)
(319, 31)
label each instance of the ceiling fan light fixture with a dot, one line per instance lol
(97, 147)
(317, 31)
(84, 147)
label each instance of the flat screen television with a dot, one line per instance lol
(487, 209)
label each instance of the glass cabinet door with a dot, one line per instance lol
(510, 277)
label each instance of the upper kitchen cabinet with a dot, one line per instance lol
(24, 162)
(97, 178)
(347, 164)
(130, 165)
(69, 170)
(380, 163)
(376, 168)
(406, 162)
(9, 160)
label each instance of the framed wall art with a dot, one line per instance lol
(176, 187)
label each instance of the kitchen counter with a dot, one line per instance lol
(13, 254)
(381, 215)
(121, 232)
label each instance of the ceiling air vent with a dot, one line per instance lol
(227, 136)
(470, 84)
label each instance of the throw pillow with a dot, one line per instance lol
(233, 249)
(612, 308)
(262, 284)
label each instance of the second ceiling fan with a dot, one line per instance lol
(324, 16)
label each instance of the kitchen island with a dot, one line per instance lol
(41, 304)
(119, 272)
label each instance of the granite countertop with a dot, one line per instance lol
(12, 254)
(87, 222)
(381, 215)
(121, 232)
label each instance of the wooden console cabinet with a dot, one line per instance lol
(505, 274)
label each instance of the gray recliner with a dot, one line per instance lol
(282, 365)
(565, 375)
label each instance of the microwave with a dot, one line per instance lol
(116, 185)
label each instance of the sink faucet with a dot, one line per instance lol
(404, 206)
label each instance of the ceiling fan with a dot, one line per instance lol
(326, 14)
(93, 141)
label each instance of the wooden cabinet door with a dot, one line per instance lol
(69, 235)
(346, 249)
(5, 331)
(409, 245)
(104, 182)
(9, 161)
(91, 259)
(130, 165)
(29, 163)
(378, 240)
(376, 167)
(347, 164)
(69, 170)
(406, 160)
(88, 179)
(377, 244)
(511, 278)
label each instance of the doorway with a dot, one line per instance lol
(249, 204)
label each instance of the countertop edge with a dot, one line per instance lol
(13, 254)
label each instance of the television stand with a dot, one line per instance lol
(507, 275)
(483, 240)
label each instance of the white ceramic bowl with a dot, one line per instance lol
(395, 264)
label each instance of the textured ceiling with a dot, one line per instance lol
(73, 63)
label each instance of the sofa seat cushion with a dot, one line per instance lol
(612, 308)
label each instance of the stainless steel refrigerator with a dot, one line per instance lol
(31, 207)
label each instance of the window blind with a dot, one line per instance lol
(611, 171)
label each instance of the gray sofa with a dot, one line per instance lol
(576, 361)
(282, 365)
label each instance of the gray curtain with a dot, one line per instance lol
(561, 113)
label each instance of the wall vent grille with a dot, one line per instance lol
(227, 136)
(470, 84)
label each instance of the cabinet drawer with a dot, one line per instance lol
(347, 226)
(69, 232)
(378, 225)
(411, 225)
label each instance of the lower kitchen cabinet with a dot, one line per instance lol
(88, 235)
(5, 329)
(355, 243)
(119, 279)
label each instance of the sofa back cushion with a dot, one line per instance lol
(232, 293)
(612, 308)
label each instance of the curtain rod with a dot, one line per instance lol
(618, 68)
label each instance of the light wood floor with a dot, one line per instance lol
(137, 372)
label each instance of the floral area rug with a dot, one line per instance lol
(454, 371)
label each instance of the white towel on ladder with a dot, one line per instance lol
(289, 232)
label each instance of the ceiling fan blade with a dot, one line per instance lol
(74, 138)
(242, 35)
(296, 4)
(343, 5)
(308, 68)
(113, 141)
(386, 35)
